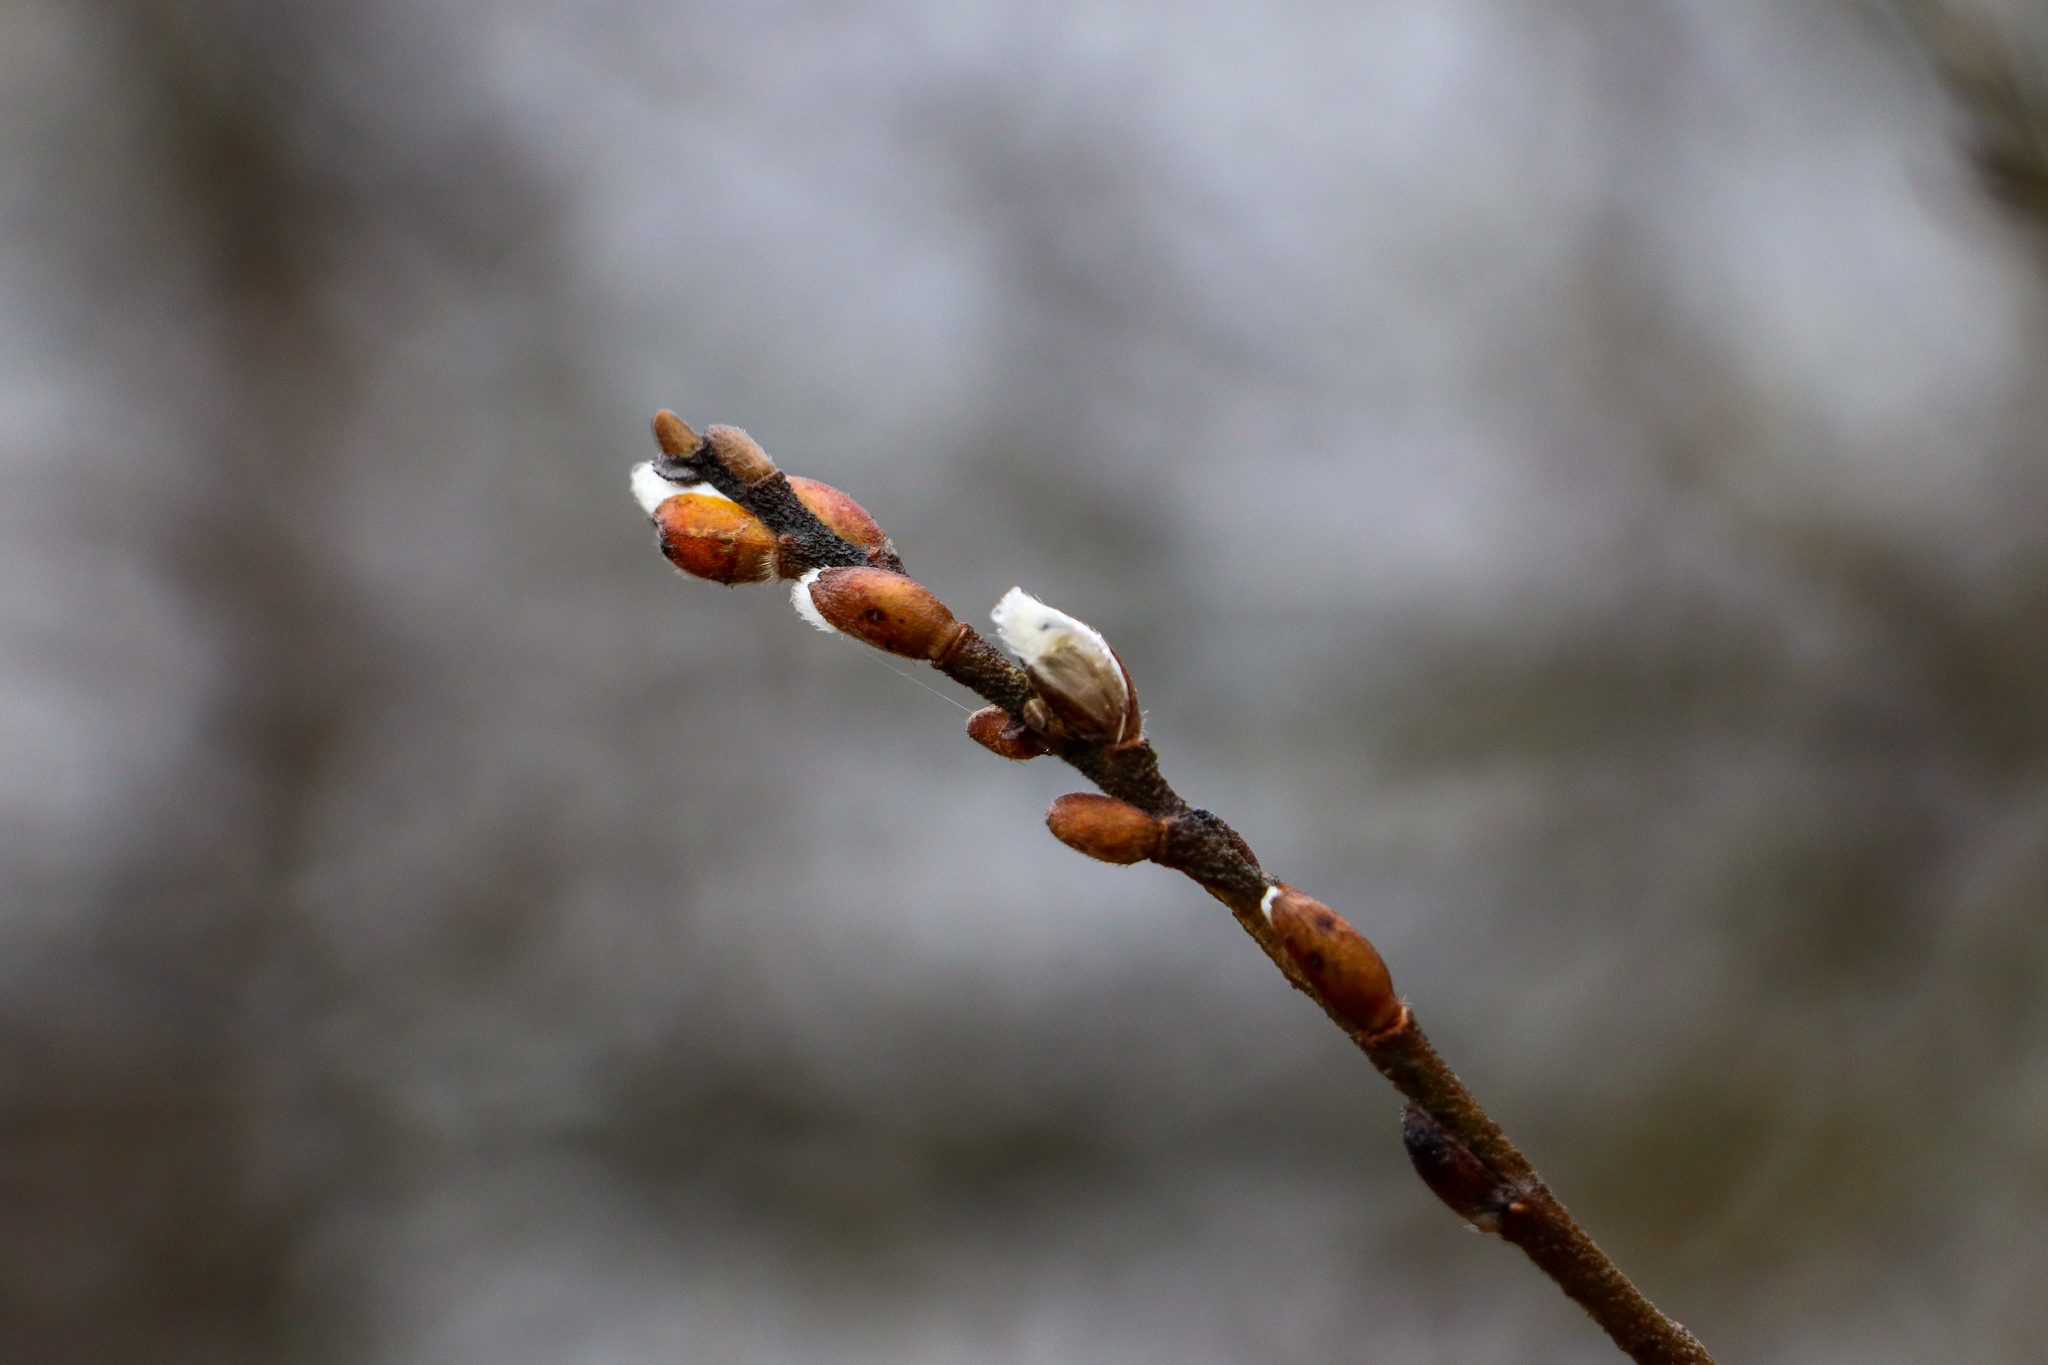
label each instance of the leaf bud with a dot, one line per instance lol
(1467, 1185)
(890, 611)
(843, 516)
(1345, 969)
(674, 436)
(1105, 828)
(1083, 682)
(715, 538)
(741, 455)
(992, 728)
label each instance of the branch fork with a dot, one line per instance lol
(726, 513)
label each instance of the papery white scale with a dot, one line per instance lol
(800, 598)
(651, 490)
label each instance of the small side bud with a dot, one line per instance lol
(1105, 828)
(674, 436)
(715, 538)
(890, 611)
(1467, 1185)
(1073, 668)
(741, 455)
(844, 517)
(1338, 961)
(992, 728)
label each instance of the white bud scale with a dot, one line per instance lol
(800, 598)
(651, 490)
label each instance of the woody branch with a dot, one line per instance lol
(726, 513)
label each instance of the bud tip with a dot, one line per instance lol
(674, 436)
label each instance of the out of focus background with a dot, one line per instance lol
(1570, 480)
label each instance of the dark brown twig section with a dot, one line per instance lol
(2003, 103)
(1073, 700)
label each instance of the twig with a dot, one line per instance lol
(2004, 107)
(726, 513)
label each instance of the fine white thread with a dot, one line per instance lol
(883, 660)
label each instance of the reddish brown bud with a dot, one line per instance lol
(887, 610)
(1345, 969)
(992, 728)
(1465, 1183)
(846, 518)
(1105, 828)
(674, 436)
(715, 539)
(741, 455)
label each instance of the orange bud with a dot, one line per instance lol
(715, 539)
(887, 610)
(1345, 969)
(1105, 828)
(741, 455)
(846, 518)
(674, 436)
(992, 728)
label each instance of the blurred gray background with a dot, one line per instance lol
(1570, 480)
